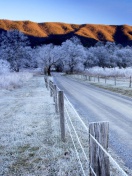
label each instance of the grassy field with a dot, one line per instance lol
(30, 142)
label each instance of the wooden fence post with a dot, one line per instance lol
(53, 91)
(50, 88)
(61, 111)
(99, 161)
(89, 78)
(55, 98)
(115, 80)
(98, 78)
(105, 79)
(46, 81)
(130, 83)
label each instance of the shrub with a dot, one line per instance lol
(4, 66)
(13, 80)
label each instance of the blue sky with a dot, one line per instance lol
(68, 11)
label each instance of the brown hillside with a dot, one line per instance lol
(115, 33)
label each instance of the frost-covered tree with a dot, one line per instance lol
(73, 55)
(15, 48)
(91, 59)
(48, 56)
(111, 59)
(59, 66)
(102, 55)
(30, 59)
(107, 55)
(124, 57)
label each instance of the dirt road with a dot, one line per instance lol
(95, 104)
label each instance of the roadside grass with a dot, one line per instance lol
(120, 90)
(13, 80)
(108, 83)
(108, 79)
(30, 143)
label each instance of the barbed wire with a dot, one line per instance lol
(76, 135)
(113, 162)
(77, 114)
(76, 149)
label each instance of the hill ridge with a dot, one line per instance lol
(98, 32)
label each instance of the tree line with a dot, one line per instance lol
(71, 56)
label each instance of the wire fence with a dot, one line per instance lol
(80, 136)
(114, 81)
(78, 145)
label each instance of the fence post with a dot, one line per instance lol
(115, 80)
(61, 111)
(130, 83)
(53, 91)
(105, 79)
(55, 99)
(98, 79)
(50, 88)
(89, 78)
(99, 162)
(81, 76)
(46, 81)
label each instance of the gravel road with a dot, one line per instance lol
(96, 104)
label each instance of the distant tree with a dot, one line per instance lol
(124, 57)
(101, 54)
(99, 44)
(59, 66)
(91, 59)
(15, 48)
(48, 57)
(110, 48)
(73, 55)
(30, 58)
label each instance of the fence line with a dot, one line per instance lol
(77, 136)
(77, 154)
(101, 147)
(76, 113)
(106, 79)
(76, 150)
(110, 157)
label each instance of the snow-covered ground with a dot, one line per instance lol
(30, 135)
(92, 104)
(30, 143)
